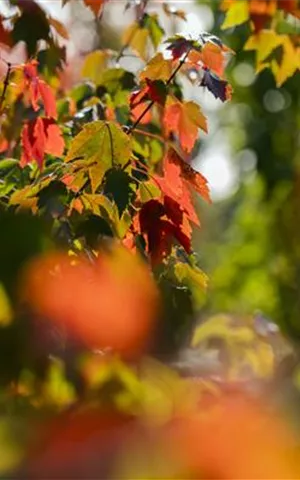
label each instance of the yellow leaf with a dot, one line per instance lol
(6, 313)
(264, 42)
(137, 39)
(236, 14)
(220, 327)
(57, 390)
(194, 278)
(148, 191)
(157, 69)
(121, 225)
(27, 198)
(93, 66)
(11, 449)
(95, 201)
(290, 62)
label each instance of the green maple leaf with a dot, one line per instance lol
(102, 145)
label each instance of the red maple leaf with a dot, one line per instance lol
(161, 224)
(38, 90)
(5, 36)
(155, 91)
(40, 136)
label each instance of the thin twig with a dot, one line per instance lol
(150, 105)
(126, 45)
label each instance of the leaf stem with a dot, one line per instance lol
(126, 45)
(150, 105)
(5, 85)
(137, 131)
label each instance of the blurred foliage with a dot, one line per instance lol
(250, 244)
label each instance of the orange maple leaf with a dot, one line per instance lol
(49, 284)
(174, 163)
(184, 119)
(211, 56)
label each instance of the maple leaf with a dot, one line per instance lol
(94, 64)
(137, 111)
(139, 96)
(289, 64)
(156, 221)
(157, 69)
(154, 90)
(101, 206)
(77, 205)
(102, 286)
(136, 38)
(180, 45)
(217, 86)
(178, 179)
(140, 32)
(177, 170)
(194, 278)
(40, 136)
(119, 187)
(264, 42)
(38, 89)
(137, 103)
(212, 56)
(184, 119)
(237, 12)
(31, 26)
(101, 145)
(155, 30)
(241, 11)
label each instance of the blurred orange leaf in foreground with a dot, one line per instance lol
(234, 438)
(110, 302)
